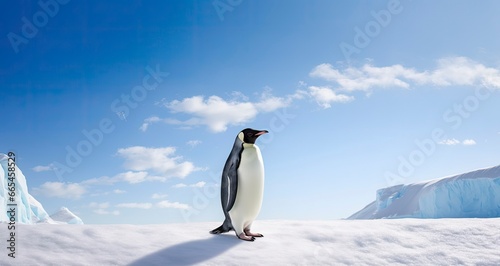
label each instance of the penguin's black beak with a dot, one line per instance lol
(262, 132)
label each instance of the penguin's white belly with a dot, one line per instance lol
(250, 188)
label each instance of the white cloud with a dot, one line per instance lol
(148, 121)
(129, 177)
(449, 71)
(161, 204)
(160, 160)
(134, 205)
(61, 190)
(141, 161)
(214, 112)
(106, 212)
(132, 177)
(299, 95)
(193, 143)
(469, 142)
(96, 205)
(217, 114)
(270, 103)
(450, 142)
(172, 205)
(158, 196)
(325, 96)
(198, 185)
(137, 177)
(43, 168)
(366, 77)
(102, 208)
(103, 180)
(101, 211)
(463, 71)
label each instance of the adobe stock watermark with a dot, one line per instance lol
(277, 124)
(425, 148)
(121, 106)
(363, 36)
(31, 27)
(223, 6)
(204, 196)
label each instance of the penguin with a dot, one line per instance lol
(242, 185)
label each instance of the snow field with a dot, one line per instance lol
(336, 242)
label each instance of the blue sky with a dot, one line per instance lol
(125, 113)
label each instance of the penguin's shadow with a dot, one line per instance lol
(191, 252)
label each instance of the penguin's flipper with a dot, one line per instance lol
(233, 184)
(224, 189)
(229, 183)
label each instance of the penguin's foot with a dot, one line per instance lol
(243, 236)
(248, 233)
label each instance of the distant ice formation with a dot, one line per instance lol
(28, 209)
(65, 216)
(471, 195)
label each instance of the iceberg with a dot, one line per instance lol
(28, 209)
(474, 194)
(65, 216)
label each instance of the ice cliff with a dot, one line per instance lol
(28, 209)
(471, 195)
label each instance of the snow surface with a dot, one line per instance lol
(29, 210)
(471, 195)
(337, 242)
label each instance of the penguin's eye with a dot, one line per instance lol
(249, 134)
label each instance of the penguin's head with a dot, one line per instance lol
(249, 135)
